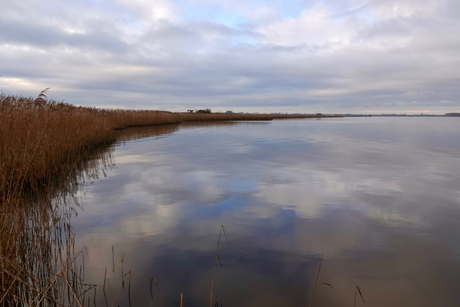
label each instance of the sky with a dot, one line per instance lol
(330, 56)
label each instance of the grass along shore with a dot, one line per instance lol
(46, 149)
(41, 138)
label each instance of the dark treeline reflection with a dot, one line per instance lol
(135, 133)
(38, 260)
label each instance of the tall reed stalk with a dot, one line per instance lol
(38, 262)
(41, 139)
(222, 229)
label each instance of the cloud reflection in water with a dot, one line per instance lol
(368, 192)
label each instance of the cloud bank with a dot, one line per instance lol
(297, 56)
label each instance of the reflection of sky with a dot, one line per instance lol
(371, 193)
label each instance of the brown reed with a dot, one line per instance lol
(151, 280)
(357, 289)
(319, 282)
(38, 263)
(41, 138)
(224, 230)
(46, 148)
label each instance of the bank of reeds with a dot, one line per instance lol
(40, 138)
(46, 148)
(38, 263)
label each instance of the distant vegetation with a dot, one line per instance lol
(223, 116)
(292, 116)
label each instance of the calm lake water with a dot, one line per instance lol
(379, 197)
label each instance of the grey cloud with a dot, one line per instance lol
(402, 62)
(15, 32)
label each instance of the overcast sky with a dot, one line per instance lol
(288, 56)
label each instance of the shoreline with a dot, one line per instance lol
(43, 138)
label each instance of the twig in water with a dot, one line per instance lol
(105, 276)
(357, 289)
(222, 228)
(319, 282)
(129, 289)
(316, 282)
(110, 290)
(103, 289)
(151, 279)
(122, 276)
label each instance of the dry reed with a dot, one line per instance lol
(38, 263)
(46, 149)
(357, 289)
(151, 280)
(40, 138)
(222, 229)
(319, 282)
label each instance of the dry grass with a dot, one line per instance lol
(40, 139)
(46, 149)
(224, 230)
(38, 263)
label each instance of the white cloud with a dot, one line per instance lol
(151, 10)
(403, 9)
(335, 55)
(315, 26)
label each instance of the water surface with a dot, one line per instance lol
(379, 197)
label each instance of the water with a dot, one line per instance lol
(379, 197)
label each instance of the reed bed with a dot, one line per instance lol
(46, 149)
(41, 139)
(38, 262)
